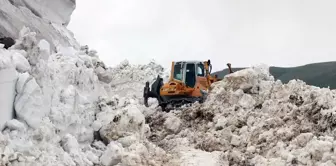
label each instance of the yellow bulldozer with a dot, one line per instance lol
(189, 82)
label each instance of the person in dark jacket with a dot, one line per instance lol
(7, 41)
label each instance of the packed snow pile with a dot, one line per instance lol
(48, 19)
(251, 119)
(65, 114)
(129, 80)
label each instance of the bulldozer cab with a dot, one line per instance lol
(187, 72)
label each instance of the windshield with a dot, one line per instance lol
(178, 71)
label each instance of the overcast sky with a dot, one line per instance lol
(242, 32)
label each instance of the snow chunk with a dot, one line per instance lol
(303, 139)
(15, 125)
(195, 157)
(5, 61)
(235, 140)
(8, 78)
(44, 48)
(172, 123)
(103, 75)
(29, 102)
(112, 155)
(66, 51)
(69, 143)
(247, 101)
(21, 63)
(128, 122)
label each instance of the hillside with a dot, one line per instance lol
(316, 74)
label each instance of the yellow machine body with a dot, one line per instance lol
(189, 81)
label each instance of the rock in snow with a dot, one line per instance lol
(71, 109)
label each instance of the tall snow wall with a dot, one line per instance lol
(48, 19)
(8, 78)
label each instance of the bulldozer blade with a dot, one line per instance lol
(153, 92)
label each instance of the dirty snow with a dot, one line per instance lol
(251, 119)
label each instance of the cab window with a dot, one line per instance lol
(178, 71)
(200, 70)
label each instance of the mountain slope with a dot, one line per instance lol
(316, 74)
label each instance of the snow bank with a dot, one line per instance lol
(129, 80)
(64, 108)
(48, 19)
(11, 64)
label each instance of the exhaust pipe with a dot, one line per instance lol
(229, 66)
